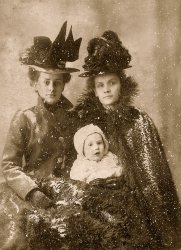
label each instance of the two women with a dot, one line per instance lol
(43, 135)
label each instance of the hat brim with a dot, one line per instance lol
(54, 70)
(89, 73)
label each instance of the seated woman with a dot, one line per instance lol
(41, 135)
(132, 137)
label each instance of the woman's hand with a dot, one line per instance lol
(99, 182)
(40, 200)
(110, 182)
(113, 182)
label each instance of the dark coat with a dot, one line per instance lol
(41, 137)
(134, 138)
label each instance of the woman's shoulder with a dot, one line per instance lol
(141, 120)
(86, 103)
(24, 114)
(138, 114)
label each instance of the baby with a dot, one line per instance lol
(93, 159)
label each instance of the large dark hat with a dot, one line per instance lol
(50, 57)
(106, 54)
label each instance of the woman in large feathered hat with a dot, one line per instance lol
(39, 139)
(132, 136)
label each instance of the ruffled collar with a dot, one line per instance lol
(89, 106)
(63, 103)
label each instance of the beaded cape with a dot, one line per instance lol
(133, 136)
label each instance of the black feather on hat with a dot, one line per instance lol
(106, 54)
(46, 56)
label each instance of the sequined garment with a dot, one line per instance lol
(133, 137)
(84, 217)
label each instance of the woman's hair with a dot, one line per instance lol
(66, 77)
(34, 74)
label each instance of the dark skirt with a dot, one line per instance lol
(84, 217)
(11, 207)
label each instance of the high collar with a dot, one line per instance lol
(88, 105)
(63, 103)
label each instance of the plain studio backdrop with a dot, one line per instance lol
(150, 29)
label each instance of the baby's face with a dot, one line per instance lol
(94, 147)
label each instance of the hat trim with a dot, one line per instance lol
(91, 73)
(54, 70)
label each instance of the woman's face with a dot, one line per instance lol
(107, 89)
(50, 87)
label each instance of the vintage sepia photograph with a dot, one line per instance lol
(90, 125)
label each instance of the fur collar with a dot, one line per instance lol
(88, 106)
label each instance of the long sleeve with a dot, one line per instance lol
(13, 154)
(156, 183)
(152, 161)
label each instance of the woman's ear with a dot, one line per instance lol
(64, 86)
(95, 92)
(35, 86)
